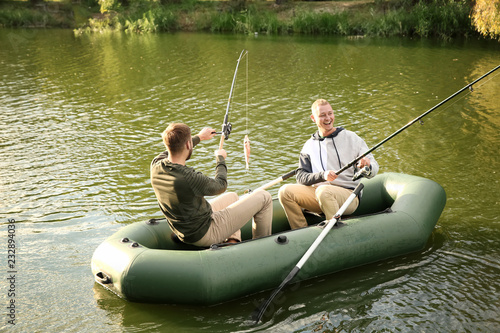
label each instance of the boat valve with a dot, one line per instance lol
(103, 278)
(281, 239)
(153, 221)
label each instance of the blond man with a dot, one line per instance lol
(319, 189)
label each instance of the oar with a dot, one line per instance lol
(259, 312)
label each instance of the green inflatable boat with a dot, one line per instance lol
(143, 262)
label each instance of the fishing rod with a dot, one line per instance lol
(366, 171)
(277, 180)
(257, 315)
(226, 125)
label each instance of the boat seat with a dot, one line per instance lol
(320, 215)
(176, 240)
(308, 212)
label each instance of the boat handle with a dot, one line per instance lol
(103, 278)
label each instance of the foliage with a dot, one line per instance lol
(253, 20)
(266, 22)
(486, 17)
(29, 17)
(441, 19)
(110, 23)
(107, 5)
(165, 19)
(144, 24)
(237, 5)
(414, 18)
(324, 23)
(222, 22)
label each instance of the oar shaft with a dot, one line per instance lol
(262, 309)
(329, 225)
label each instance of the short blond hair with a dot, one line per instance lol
(317, 103)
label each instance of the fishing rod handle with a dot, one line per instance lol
(221, 143)
(288, 175)
(277, 180)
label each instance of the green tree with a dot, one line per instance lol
(486, 17)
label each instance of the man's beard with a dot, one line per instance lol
(190, 152)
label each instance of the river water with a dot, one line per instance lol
(80, 121)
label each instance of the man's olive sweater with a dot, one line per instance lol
(180, 191)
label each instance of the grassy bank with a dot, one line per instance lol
(25, 14)
(414, 18)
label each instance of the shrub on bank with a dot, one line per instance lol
(414, 18)
(23, 15)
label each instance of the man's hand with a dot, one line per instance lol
(206, 133)
(365, 161)
(330, 175)
(221, 152)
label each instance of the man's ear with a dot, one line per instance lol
(312, 118)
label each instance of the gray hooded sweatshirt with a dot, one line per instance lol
(332, 153)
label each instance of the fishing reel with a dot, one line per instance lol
(363, 172)
(226, 130)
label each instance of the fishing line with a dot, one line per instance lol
(471, 90)
(246, 103)
(468, 86)
(246, 140)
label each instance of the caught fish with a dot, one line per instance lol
(246, 149)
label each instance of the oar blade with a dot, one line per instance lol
(259, 312)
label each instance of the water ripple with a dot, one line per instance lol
(80, 121)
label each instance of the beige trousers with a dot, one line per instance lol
(230, 214)
(324, 198)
